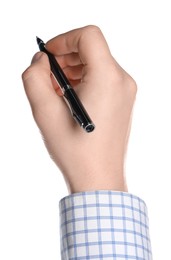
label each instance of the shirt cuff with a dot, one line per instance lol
(104, 225)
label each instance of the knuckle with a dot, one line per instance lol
(27, 73)
(92, 28)
(128, 84)
(132, 85)
(31, 74)
(35, 68)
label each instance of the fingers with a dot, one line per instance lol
(74, 73)
(88, 41)
(71, 59)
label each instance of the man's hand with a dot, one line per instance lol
(88, 161)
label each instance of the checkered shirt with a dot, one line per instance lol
(106, 225)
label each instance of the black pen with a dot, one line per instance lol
(78, 111)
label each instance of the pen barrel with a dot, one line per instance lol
(57, 71)
(78, 111)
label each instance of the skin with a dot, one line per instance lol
(88, 161)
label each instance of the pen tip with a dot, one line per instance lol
(38, 40)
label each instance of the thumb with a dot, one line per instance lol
(48, 108)
(37, 82)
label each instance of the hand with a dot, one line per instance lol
(88, 161)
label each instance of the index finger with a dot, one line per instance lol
(88, 41)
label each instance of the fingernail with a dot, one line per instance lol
(36, 57)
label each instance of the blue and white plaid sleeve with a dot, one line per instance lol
(104, 225)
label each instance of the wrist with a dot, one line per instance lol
(115, 182)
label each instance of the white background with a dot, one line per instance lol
(138, 33)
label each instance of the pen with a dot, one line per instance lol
(76, 107)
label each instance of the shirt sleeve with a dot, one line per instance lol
(104, 225)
